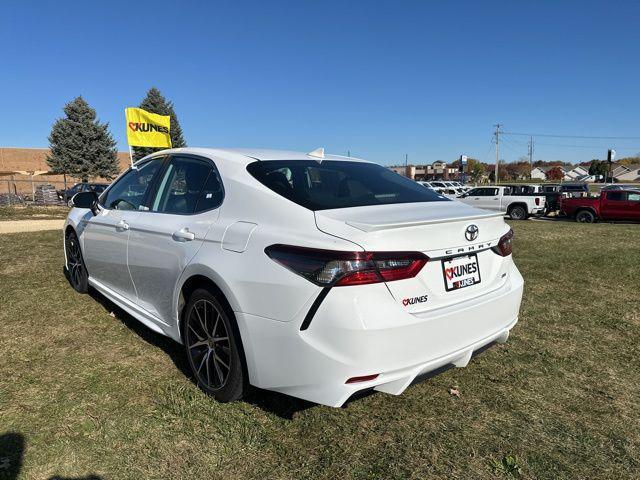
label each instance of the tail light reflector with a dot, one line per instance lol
(328, 268)
(505, 245)
(364, 378)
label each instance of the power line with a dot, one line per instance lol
(568, 136)
(586, 146)
(514, 142)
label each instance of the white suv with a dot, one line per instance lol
(317, 276)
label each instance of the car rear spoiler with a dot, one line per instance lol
(375, 227)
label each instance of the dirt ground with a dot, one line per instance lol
(16, 226)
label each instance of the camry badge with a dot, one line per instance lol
(471, 233)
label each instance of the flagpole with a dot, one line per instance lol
(130, 148)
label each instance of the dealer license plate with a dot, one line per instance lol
(460, 272)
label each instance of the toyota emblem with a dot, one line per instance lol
(471, 233)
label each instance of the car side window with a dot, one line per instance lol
(617, 196)
(212, 193)
(188, 186)
(128, 192)
(634, 197)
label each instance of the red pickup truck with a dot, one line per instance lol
(610, 205)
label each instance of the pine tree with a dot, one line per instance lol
(154, 102)
(81, 146)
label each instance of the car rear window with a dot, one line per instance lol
(339, 184)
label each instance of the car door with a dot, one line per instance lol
(487, 198)
(495, 199)
(614, 205)
(164, 239)
(472, 197)
(633, 206)
(106, 234)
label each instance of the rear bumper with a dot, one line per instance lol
(537, 210)
(369, 333)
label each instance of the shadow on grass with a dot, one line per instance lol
(275, 403)
(11, 453)
(281, 405)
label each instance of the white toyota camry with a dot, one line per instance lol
(314, 275)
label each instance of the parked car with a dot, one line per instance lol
(307, 274)
(426, 184)
(553, 192)
(67, 195)
(609, 205)
(518, 207)
(619, 186)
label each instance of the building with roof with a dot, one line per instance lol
(627, 173)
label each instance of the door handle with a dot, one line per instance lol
(122, 225)
(183, 235)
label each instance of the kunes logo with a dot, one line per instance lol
(414, 300)
(147, 127)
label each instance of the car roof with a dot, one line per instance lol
(249, 155)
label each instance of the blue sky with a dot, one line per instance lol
(379, 78)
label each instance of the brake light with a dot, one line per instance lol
(338, 268)
(505, 245)
(537, 200)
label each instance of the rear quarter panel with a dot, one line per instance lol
(570, 205)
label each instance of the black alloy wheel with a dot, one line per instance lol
(76, 269)
(585, 216)
(211, 344)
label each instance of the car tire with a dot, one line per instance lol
(518, 213)
(213, 347)
(76, 269)
(585, 216)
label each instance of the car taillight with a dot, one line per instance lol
(505, 245)
(537, 200)
(338, 268)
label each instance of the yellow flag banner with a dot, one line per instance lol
(146, 129)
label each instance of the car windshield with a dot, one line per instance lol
(339, 184)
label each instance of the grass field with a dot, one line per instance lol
(84, 393)
(33, 213)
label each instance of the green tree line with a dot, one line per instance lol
(83, 147)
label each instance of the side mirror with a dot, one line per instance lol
(86, 200)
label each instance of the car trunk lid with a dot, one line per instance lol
(437, 229)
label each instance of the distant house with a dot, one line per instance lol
(540, 173)
(627, 173)
(577, 172)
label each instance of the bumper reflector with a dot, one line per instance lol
(364, 378)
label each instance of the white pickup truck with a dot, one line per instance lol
(518, 207)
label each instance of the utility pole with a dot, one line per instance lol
(406, 159)
(530, 156)
(497, 151)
